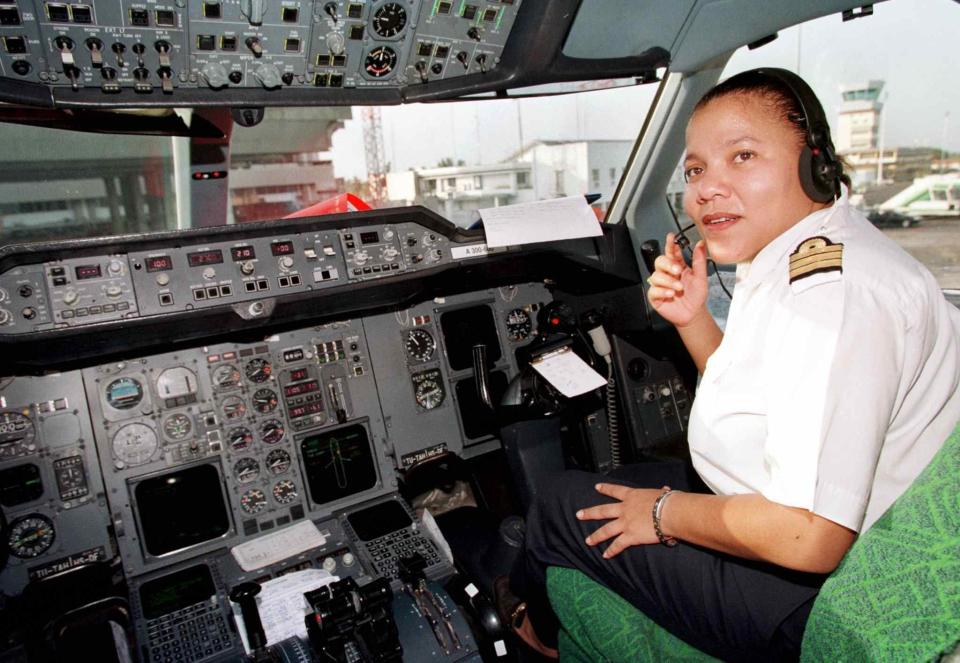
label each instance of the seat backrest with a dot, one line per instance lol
(896, 595)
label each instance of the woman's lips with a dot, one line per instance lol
(718, 221)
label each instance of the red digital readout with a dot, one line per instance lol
(238, 253)
(298, 374)
(159, 263)
(201, 258)
(281, 248)
(300, 389)
(304, 410)
(88, 272)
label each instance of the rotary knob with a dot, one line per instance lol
(390, 254)
(215, 75)
(70, 297)
(209, 273)
(112, 291)
(286, 262)
(348, 559)
(329, 564)
(361, 257)
(247, 267)
(163, 279)
(268, 75)
(115, 267)
(335, 43)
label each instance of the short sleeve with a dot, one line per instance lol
(826, 425)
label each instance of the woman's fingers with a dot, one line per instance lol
(658, 294)
(613, 528)
(618, 545)
(600, 512)
(700, 260)
(666, 265)
(665, 281)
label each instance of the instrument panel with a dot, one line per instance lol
(175, 438)
(163, 49)
(185, 453)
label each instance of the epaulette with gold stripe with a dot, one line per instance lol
(815, 255)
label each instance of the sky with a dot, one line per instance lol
(910, 44)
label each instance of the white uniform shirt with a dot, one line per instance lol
(831, 393)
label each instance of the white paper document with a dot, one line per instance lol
(569, 374)
(282, 606)
(271, 548)
(543, 221)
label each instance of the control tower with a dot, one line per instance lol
(858, 126)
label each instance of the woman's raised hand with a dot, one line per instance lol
(678, 291)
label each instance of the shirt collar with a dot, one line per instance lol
(773, 254)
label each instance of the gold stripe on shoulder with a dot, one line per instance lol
(815, 255)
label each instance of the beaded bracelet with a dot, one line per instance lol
(668, 541)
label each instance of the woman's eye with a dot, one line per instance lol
(743, 155)
(691, 173)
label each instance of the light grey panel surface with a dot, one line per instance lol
(56, 511)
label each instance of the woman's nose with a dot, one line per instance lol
(711, 184)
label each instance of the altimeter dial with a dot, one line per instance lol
(389, 19)
(420, 344)
(380, 62)
(31, 536)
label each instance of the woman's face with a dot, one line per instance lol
(743, 186)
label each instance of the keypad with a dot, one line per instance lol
(387, 550)
(190, 634)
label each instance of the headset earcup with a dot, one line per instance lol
(814, 185)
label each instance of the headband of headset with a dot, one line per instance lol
(819, 168)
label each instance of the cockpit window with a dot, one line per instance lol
(59, 184)
(452, 158)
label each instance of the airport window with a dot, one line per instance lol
(595, 176)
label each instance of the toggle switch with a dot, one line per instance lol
(96, 52)
(255, 46)
(163, 48)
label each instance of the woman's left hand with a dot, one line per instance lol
(631, 518)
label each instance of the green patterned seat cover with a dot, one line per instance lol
(895, 596)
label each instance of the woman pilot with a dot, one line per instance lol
(833, 385)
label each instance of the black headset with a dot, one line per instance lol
(820, 170)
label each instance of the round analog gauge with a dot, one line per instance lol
(124, 393)
(176, 382)
(264, 400)
(15, 430)
(239, 438)
(518, 325)
(285, 491)
(389, 19)
(233, 407)
(134, 444)
(258, 370)
(246, 470)
(380, 61)
(278, 461)
(253, 501)
(30, 536)
(429, 394)
(226, 377)
(271, 432)
(420, 344)
(177, 426)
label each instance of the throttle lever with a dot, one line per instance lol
(246, 595)
(481, 376)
